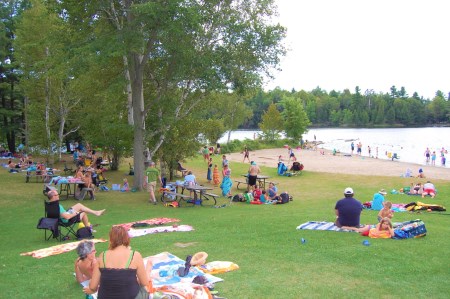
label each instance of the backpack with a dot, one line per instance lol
(283, 198)
(84, 233)
(238, 198)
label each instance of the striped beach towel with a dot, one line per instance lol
(322, 225)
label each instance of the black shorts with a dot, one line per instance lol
(252, 180)
(74, 219)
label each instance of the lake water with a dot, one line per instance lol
(409, 143)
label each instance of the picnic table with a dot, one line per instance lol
(69, 188)
(199, 194)
(260, 179)
(40, 178)
(202, 196)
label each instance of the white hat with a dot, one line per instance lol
(382, 192)
(348, 191)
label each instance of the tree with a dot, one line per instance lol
(272, 123)
(11, 99)
(176, 52)
(295, 119)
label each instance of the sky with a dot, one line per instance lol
(373, 44)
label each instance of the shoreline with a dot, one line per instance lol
(343, 163)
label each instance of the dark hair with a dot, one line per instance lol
(118, 236)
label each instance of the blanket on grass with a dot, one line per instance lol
(57, 249)
(153, 221)
(166, 280)
(160, 229)
(322, 225)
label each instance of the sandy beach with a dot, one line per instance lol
(314, 161)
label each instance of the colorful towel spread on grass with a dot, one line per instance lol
(322, 225)
(153, 221)
(165, 278)
(132, 233)
(58, 249)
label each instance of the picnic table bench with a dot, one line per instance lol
(40, 178)
(171, 196)
(240, 182)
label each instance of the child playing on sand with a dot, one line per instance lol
(386, 211)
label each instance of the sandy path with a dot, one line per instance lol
(314, 161)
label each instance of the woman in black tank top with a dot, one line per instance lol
(120, 272)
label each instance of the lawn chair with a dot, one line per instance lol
(296, 168)
(52, 212)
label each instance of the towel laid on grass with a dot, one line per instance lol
(322, 225)
(166, 280)
(160, 229)
(58, 249)
(153, 221)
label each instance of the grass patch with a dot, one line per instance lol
(262, 240)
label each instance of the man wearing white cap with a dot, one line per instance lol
(348, 210)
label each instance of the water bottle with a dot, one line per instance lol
(89, 296)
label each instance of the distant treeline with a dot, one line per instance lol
(358, 109)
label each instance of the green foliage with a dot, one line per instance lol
(272, 123)
(296, 121)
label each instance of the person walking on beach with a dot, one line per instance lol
(427, 156)
(433, 158)
(352, 147)
(369, 150)
(246, 154)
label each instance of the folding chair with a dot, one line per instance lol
(52, 212)
(49, 224)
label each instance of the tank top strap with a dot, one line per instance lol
(104, 258)
(130, 258)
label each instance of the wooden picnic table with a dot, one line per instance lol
(261, 179)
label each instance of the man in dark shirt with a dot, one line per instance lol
(348, 210)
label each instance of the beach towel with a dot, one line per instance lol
(153, 221)
(132, 233)
(165, 278)
(226, 186)
(218, 267)
(58, 249)
(322, 225)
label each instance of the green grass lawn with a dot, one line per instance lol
(262, 240)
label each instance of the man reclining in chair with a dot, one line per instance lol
(77, 213)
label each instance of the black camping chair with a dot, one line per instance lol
(52, 212)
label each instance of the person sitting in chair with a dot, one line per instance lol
(77, 213)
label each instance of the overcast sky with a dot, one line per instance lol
(373, 44)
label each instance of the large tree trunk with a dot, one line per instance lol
(136, 75)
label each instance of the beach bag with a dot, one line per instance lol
(238, 198)
(283, 198)
(84, 233)
(410, 229)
